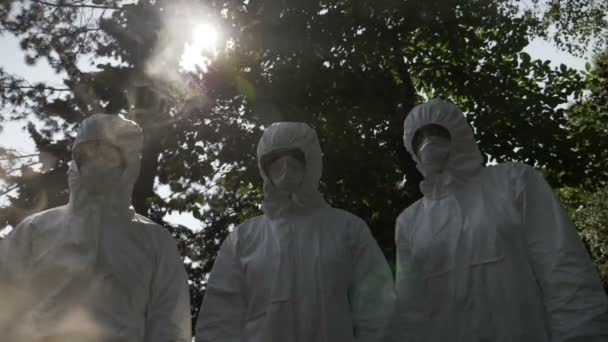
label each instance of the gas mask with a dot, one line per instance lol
(286, 173)
(99, 177)
(100, 167)
(433, 155)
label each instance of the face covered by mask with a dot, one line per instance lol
(100, 167)
(98, 177)
(433, 155)
(286, 173)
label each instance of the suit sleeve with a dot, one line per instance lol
(222, 313)
(573, 295)
(168, 315)
(371, 294)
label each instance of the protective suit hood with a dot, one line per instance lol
(464, 160)
(288, 136)
(127, 137)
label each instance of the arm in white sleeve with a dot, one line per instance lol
(371, 294)
(222, 313)
(168, 314)
(409, 314)
(15, 253)
(15, 249)
(575, 302)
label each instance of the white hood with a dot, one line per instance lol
(287, 136)
(464, 160)
(123, 134)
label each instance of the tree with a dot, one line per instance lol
(592, 220)
(586, 21)
(352, 69)
(588, 121)
(588, 203)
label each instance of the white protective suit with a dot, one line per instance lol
(93, 270)
(489, 254)
(301, 272)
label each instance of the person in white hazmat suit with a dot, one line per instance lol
(488, 253)
(303, 271)
(93, 270)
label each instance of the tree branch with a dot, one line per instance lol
(34, 87)
(9, 190)
(21, 167)
(77, 32)
(46, 3)
(19, 157)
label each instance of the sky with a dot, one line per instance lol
(12, 134)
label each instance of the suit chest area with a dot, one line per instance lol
(474, 226)
(290, 260)
(96, 269)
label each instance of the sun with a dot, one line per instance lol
(201, 49)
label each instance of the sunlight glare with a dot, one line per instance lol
(202, 48)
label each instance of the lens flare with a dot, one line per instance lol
(202, 48)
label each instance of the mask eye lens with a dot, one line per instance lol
(428, 131)
(96, 150)
(271, 157)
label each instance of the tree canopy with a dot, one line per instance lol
(589, 202)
